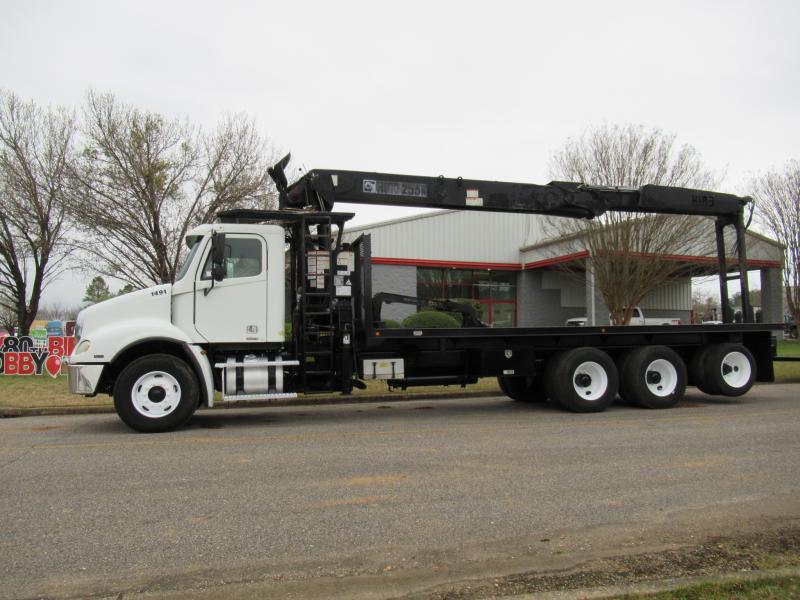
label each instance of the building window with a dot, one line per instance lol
(493, 292)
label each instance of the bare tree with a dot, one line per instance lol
(631, 255)
(35, 156)
(777, 196)
(144, 180)
(8, 319)
(58, 311)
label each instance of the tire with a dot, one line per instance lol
(582, 380)
(522, 388)
(697, 369)
(621, 362)
(730, 369)
(501, 382)
(653, 377)
(156, 393)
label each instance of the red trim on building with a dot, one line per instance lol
(446, 264)
(767, 264)
(546, 262)
(710, 260)
(556, 260)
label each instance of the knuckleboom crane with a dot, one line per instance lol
(321, 189)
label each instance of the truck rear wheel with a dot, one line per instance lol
(156, 393)
(730, 369)
(522, 388)
(653, 377)
(697, 369)
(582, 380)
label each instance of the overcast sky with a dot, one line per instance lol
(484, 90)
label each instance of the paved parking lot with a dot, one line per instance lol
(387, 499)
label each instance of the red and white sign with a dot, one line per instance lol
(22, 356)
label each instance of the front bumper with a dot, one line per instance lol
(83, 379)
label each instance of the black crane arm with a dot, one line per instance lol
(320, 189)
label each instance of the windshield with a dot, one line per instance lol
(194, 245)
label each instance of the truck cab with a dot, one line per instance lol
(229, 293)
(245, 302)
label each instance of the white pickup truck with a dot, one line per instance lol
(637, 318)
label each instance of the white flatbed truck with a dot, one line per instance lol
(220, 327)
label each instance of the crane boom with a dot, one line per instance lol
(321, 189)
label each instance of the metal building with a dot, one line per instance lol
(505, 264)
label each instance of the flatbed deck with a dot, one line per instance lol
(525, 350)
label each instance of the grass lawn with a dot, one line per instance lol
(41, 392)
(788, 371)
(44, 391)
(769, 588)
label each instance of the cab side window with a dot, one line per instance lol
(243, 258)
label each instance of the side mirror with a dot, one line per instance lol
(218, 256)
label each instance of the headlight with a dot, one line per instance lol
(83, 346)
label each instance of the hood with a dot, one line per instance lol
(154, 302)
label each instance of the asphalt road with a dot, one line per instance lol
(377, 500)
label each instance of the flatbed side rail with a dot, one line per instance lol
(499, 332)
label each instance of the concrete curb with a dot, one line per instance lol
(14, 412)
(8, 412)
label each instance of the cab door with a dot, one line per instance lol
(235, 309)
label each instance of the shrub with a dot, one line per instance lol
(431, 319)
(391, 324)
(457, 316)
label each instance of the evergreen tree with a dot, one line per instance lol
(97, 291)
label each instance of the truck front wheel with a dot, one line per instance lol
(156, 393)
